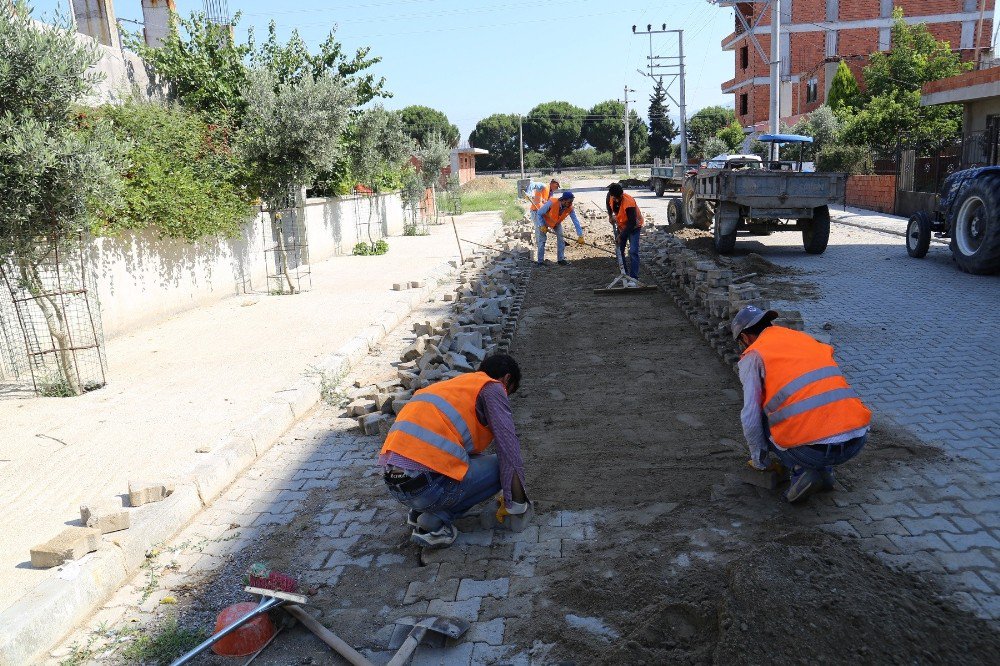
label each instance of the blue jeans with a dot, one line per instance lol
(819, 456)
(540, 240)
(632, 263)
(443, 500)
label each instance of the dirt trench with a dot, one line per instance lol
(627, 415)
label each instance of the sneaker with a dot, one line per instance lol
(439, 538)
(827, 475)
(563, 262)
(540, 264)
(411, 518)
(804, 483)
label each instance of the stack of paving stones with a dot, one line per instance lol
(487, 305)
(707, 292)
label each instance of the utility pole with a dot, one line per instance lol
(628, 137)
(658, 65)
(775, 73)
(979, 33)
(520, 141)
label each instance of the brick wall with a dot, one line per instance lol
(872, 192)
(963, 80)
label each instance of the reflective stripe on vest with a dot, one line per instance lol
(556, 214)
(451, 413)
(806, 397)
(432, 438)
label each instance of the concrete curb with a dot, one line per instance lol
(47, 613)
(879, 229)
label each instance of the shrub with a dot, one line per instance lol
(854, 160)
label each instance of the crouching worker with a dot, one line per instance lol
(796, 403)
(550, 218)
(433, 458)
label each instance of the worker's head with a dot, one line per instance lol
(615, 190)
(566, 199)
(504, 369)
(749, 322)
(553, 185)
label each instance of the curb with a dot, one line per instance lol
(47, 613)
(883, 230)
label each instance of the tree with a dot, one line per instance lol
(732, 135)
(604, 129)
(714, 146)
(554, 128)
(56, 178)
(824, 127)
(662, 130)
(706, 124)
(844, 95)
(422, 122)
(434, 155)
(291, 133)
(499, 135)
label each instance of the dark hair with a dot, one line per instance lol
(758, 327)
(499, 365)
(615, 190)
(556, 182)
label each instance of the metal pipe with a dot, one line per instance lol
(775, 74)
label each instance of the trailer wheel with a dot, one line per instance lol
(659, 186)
(918, 234)
(697, 213)
(675, 213)
(816, 232)
(725, 243)
(975, 227)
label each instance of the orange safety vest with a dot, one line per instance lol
(540, 197)
(806, 398)
(556, 214)
(438, 427)
(626, 203)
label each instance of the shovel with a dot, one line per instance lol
(447, 627)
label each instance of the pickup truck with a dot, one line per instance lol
(744, 192)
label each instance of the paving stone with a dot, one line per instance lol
(446, 590)
(483, 588)
(973, 583)
(339, 558)
(541, 549)
(490, 632)
(909, 544)
(917, 526)
(484, 653)
(107, 516)
(447, 656)
(467, 609)
(70, 544)
(964, 542)
(146, 492)
(973, 559)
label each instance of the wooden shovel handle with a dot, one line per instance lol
(343, 649)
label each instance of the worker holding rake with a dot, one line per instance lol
(538, 194)
(627, 221)
(550, 218)
(433, 458)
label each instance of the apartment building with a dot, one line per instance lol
(817, 34)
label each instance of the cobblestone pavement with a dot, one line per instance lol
(916, 338)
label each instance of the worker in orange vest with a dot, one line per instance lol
(433, 458)
(627, 220)
(796, 403)
(539, 194)
(550, 218)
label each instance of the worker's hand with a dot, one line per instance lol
(543, 229)
(580, 241)
(630, 227)
(502, 511)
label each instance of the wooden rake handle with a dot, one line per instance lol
(343, 649)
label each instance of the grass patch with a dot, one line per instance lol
(503, 200)
(170, 642)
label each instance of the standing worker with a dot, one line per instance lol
(550, 218)
(796, 403)
(627, 220)
(433, 458)
(538, 194)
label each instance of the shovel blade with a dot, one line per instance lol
(450, 627)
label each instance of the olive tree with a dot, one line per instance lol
(59, 172)
(434, 155)
(291, 132)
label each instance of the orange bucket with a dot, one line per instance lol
(249, 638)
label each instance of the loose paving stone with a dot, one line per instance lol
(105, 515)
(70, 544)
(144, 492)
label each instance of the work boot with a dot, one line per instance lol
(827, 474)
(804, 483)
(439, 538)
(411, 518)
(563, 262)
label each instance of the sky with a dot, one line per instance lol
(474, 58)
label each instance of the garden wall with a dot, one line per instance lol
(876, 193)
(142, 279)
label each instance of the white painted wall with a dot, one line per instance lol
(142, 279)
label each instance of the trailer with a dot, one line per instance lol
(666, 176)
(750, 194)
(967, 212)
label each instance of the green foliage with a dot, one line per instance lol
(54, 178)
(423, 122)
(713, 146)
(823, 126)
(844, 95)
(554, 128)
(363, 249)
(732, 135)
(706, 124)
(855, 160)
(434, 155)
(377, 148)
(205, 67)
(290, 133)
(534, 159)
(499, 135)
(183, 177)
(170, 642)
(662, 130)
(604, 130)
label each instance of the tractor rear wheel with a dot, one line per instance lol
(975, 227)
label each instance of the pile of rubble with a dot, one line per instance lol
(488, 299)
(707, 292)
